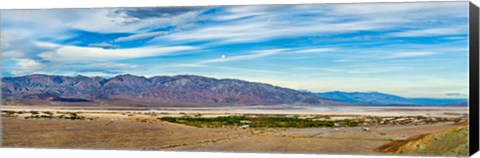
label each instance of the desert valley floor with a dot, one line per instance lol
(382, 130)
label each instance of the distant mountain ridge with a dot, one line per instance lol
(133, 90)
(377, 98)
(183, 90)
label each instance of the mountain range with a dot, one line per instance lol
(131, 90)
(183, 90)
(377, 98)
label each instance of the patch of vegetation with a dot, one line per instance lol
(39, 117)
(349, 123)
(8, 114)
(258, 122)
(74, 116)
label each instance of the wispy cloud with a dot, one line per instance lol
(344, 60)
(316, 50)
(354, 70)
(250, 24)
(459, 30)
(407, 55)
(104, 45)
(253, 55)
(112, 66)
(263, 29)
(63, 53)
(238, 16)
(26, 66)
(141, 36)
(12, 54)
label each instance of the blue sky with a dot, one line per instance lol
(408, 49)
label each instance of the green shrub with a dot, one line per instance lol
(257, 122)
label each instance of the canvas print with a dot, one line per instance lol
(366, 78)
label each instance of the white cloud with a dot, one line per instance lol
(408, 54)
(411, 10)
(28, 63)
(110, 66)
(56, 23)
(431, 32)
(140, 36)
(316, 50)
(96, 68)
(344, 60)
(257, 54)
(254, 55)
(354, 70)
(4, 41)
(103, 45)
(107, 21)
(263, 30)
(259, 23)
(61, 53)
(26, 66)
(237, 16)
(401, 51)
(12, 54)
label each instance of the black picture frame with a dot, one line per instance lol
(474, 78)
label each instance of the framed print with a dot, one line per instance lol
(352, 78)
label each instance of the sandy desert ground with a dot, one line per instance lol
(141, 130)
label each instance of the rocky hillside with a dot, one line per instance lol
(452, 142)
(153, 91)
